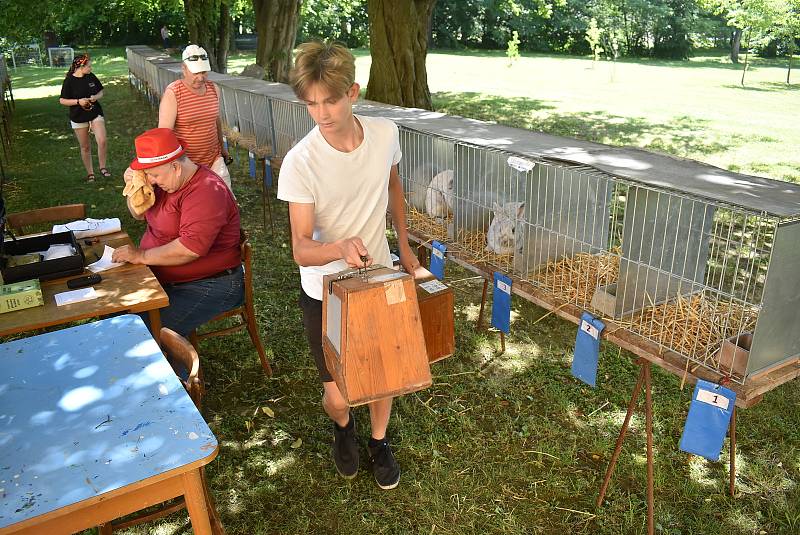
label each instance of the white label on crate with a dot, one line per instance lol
(590, 329)
(713, 398)
(395, 293)
(433, 286)
(250, 155)
(504, 287)
(437, 253)
(394, 258)
(520, 164)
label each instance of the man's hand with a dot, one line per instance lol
(128, 253)
(408, 260)
(352, 251)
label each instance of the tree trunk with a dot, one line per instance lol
(398, 35)
(736, 41)
(746, 55)
(223, 40)
(276, 25)
(791, 56)
(208, 22)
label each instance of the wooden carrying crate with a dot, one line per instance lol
(372, 335)
(436, 312)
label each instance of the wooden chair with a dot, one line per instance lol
(65, 212)
(246, 312)
(183, 358)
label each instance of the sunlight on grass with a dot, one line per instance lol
(699, 471)
(37, 92)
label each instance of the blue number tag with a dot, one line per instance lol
(501, 302)
(225, 143)
(587, 349)
(267, 173)
(438, 251)
(708, 420)
(252, 158)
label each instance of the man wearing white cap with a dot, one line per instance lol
(192, 238)
(190, 107)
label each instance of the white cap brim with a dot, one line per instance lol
(200, 65)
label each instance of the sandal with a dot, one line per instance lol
(105, 172)
(90, 177)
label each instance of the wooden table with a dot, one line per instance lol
(95, 425)
(128, 288)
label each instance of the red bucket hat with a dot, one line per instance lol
(156, 147)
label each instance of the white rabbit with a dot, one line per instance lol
(500, 236)
(439, 195)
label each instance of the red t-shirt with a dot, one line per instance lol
(204, 216)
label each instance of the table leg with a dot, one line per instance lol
(155, 324)
(196, 502)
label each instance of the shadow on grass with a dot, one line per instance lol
(680, 136)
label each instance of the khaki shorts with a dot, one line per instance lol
(221, 169)
(75, 126)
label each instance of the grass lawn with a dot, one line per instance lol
(501, 444)
(695, 109)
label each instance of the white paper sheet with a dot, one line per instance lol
(105, 261)
(75, 296)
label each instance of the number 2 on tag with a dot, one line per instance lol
(589, 329)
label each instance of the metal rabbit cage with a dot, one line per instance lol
(690, 266)
(687, 263)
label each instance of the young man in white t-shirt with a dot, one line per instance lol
(339, 180)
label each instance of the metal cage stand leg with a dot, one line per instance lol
(266, 206)
(733, 452)
(644, 379)
(479, 322)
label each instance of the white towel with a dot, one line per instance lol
(86, 228)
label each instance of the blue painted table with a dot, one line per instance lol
(95, 425)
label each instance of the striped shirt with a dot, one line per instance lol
(196, 122)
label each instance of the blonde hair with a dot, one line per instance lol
(329, 63)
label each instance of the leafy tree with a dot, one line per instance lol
(398, 36)
(343, 20)
(276, 23)
(209, 25)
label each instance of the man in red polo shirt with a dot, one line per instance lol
(192, 237)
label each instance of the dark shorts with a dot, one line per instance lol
(312, 321)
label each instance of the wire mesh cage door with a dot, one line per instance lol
(60, 56)
(489, 205)
(428, 176)
(566, 245)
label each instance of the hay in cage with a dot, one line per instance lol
(248, 141)
(473, 247)
(263, 151)
(694, 325)
(574, 279)
(233, 135)
(435, 229)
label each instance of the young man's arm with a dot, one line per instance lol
(168, 110)
(397, 208)
(309, 252)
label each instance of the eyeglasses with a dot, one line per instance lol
(196, 57)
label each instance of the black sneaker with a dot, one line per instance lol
(384, 467)
(345, 449)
